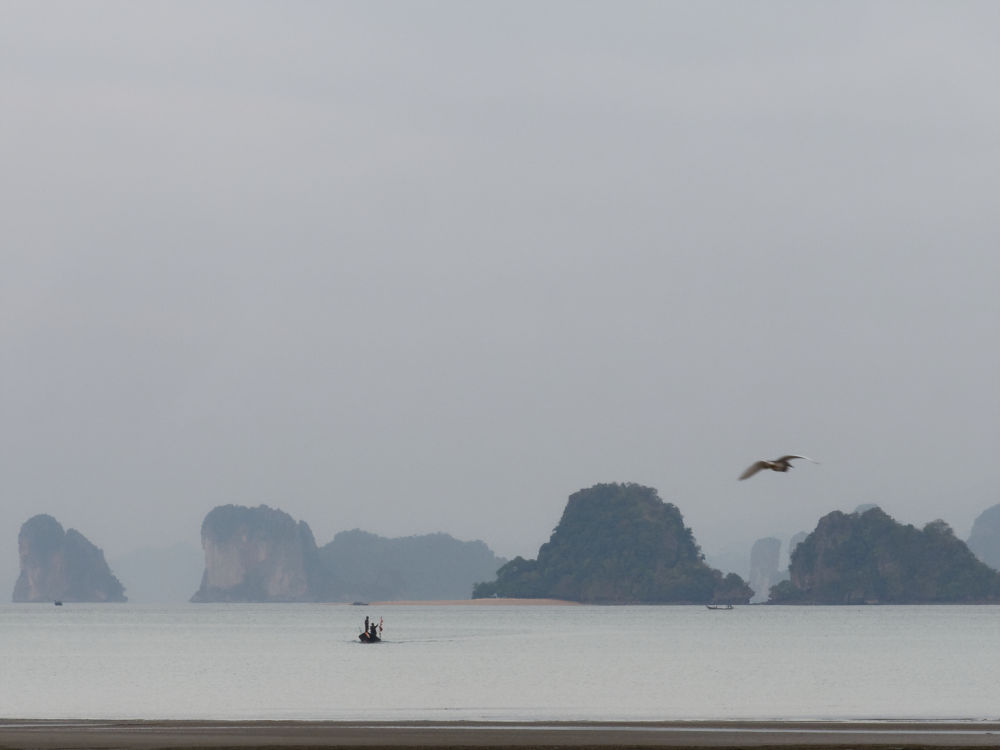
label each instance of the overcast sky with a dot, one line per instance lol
(435, 266)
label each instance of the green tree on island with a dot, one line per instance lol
(618, 543)
(869, 557)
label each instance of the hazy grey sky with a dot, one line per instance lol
(434, 266)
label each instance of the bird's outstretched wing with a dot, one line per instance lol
(789, 458)
(753, 469)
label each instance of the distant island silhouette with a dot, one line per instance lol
(615, 544)
(263, 555)
(62, 565)
(618, 544)
(868, 557)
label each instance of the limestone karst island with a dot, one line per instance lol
(618, 544)
(614, 544)
(263, 555)
(58, 565)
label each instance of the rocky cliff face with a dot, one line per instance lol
(258, 555)
(985, 538)
(58, 565)
(870, 558)
(618, 543)
(795, 541)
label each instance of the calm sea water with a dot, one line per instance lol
(499, 663)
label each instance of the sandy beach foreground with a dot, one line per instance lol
(145, 735)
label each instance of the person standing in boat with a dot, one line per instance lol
(366, 623)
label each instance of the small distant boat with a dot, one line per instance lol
(719, 606)
(58, 603)
(372, 633)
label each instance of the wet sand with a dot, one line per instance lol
(147, 735)
(490, 602)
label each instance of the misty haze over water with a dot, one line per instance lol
(431, 267)
(506, 663)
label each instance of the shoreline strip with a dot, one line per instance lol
(149, 735)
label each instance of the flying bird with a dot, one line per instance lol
(778, 464)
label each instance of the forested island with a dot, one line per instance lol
(869, 557)
(263, 555)
(615, 544)
(367, 566)
(618, 544)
